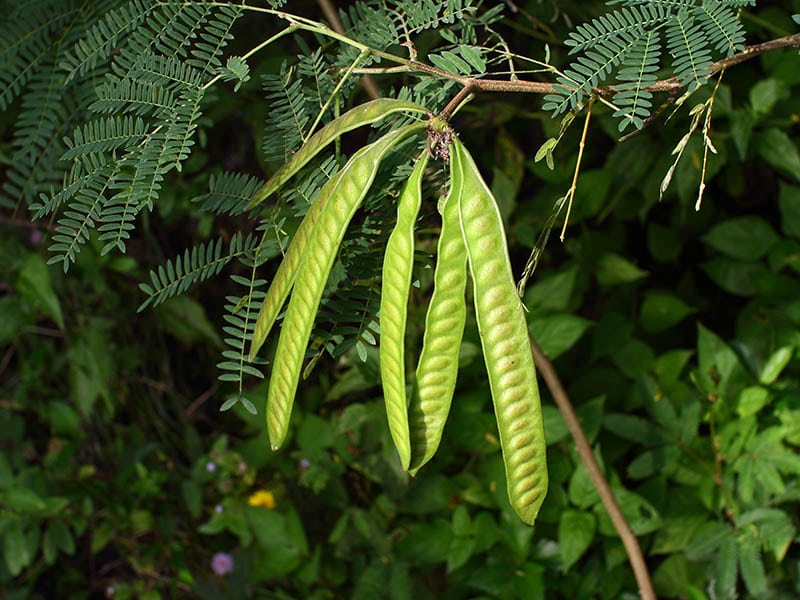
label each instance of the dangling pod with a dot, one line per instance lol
(437, 368)
(398, 261)
(284, 277)
(348, 191)
(364, 114)
(504, 337)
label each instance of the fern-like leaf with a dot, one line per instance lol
(198, 264)
(229, 193)
(288, 114)
(637, 72)
(141, 98)
(241, 313)
(722, 27)
(100, 40)
(589, 70)
(632, 21)
(235, 69)
(103, 135)
(629, 41)
(82, 216)
(688, 45)
(26, 38)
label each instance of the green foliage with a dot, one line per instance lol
(676, 332)
(628, 41)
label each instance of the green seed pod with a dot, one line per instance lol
(437, 369)
(506, 346)
(315, 265)
(364, 114)
(396, 280)
(287, 271)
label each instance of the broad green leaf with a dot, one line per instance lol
(789, 203)
(669, 366)
(742, 123)
(141, 521)
(23, 500)
(486, 531)
(556, 334)
(429, 542)
(590, 415)
(35, 286)
(576, 531)
(613, 331)
(653, 461)
(664, 243)
(15, 548)
(633, 428)
(745, 238)
(764, 95)
(716, 360)
(461, 549)
(6, 475)
(612, 269)
(63, 418)
(751, 400)
(529, 582)
(591, 194)
(634, 358)
(779, 150)
(661, 310)
(551, 293)
(315, 434)
(582, 492)
(11, 307)
(400, 587)
(734, 276)
(640, 514)
(186, 319)
(775, 365)
(555, 427)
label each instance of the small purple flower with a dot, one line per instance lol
(222, 563)
(211, 466)
(218, 508)
(303, 464)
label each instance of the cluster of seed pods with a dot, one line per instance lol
(472, 240)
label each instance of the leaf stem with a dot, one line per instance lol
(581, 145)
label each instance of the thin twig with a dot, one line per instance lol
(629, 540)
(332, 15)
(574, 186)
(537, 87)
(200, 400)
(451, 107)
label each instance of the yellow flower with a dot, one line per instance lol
(262, 498)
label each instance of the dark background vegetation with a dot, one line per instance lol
(675, 332)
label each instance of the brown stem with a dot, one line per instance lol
(671, 85)
(629, 540)
(329, 10)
